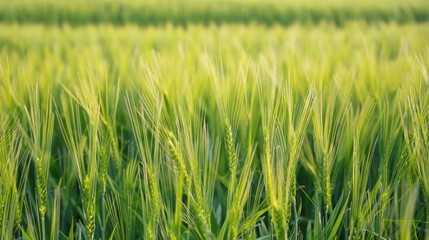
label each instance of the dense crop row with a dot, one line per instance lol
(207, 12)
(214, 132)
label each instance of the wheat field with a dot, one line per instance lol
(191, 127)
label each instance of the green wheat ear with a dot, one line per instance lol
(276, 212)
(18, 211)
(267, 161)
(89, 208)
(41, 187)
(328, 188)
(175, 154)
(230, 150)
(154, 194)
(279, 220)
(115, 148)
(232, 165)
(103, 168)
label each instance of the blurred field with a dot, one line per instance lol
(206, 12)
(57, 56)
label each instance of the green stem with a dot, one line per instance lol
(326, 223)
(427, 217)
(296, 221)
(103, 213)
(43, 229)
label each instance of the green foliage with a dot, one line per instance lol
(214, 132)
